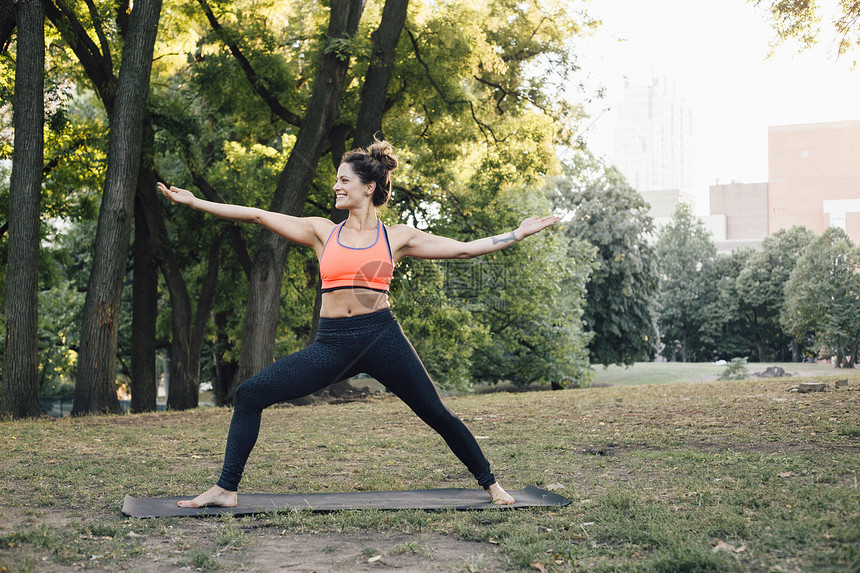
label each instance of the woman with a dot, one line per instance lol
(357, 331)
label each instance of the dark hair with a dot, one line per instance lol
(374, 163)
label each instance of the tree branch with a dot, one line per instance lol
(97, 25)
(7, 23)
(96, 67)
(237, 239)
(256, 81)
(481, 125)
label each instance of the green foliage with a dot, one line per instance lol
(621, 293)
(800, 20)
(793, 19)
(823, 296)
(685, 251)
(729, 326)
(735, 370)
(761, 284)
(442, 328)
(515, 315)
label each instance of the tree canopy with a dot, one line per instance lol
(253, 103)
(823, 297)
(686, 252)
(620, 309)
(801, 21)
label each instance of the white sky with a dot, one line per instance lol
(716, 53)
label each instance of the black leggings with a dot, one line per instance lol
(371, 343)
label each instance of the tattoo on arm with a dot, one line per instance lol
(509, 238)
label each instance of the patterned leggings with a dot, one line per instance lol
(371, 343)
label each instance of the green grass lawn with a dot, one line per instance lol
(683, 477)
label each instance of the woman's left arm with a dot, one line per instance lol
(423, 245)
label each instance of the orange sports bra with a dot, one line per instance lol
(356, 267)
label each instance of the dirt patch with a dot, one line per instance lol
(272, 550)
(369, 551)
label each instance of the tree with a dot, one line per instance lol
(261, 313)
(823, 297)
(621, 294)
(761, 285)
(685, 251)
(730, 327)
(96, 379)
(19, 394)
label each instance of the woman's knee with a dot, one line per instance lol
(248, 394)
(439, 416)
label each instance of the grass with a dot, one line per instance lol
(671, 372)
(682, 477)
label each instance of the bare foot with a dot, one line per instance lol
(217, 496)
(500, 496)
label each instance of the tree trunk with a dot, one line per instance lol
(224, 370)
(840, 353)
(95, 389)
(762, 348)
(261, 314)
(19, 393)
(144, 313)
(375, 89)
(204, 307)
(184, 379)
(795, 351)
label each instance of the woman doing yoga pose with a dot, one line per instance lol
(357, 330)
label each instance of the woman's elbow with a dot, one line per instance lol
(467, 251)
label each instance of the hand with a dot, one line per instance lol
(175, 194)
(536, 224)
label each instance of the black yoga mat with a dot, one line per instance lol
(250, 503)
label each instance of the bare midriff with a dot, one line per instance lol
(352, 302)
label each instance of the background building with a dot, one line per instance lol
(664, 203)
(813, 181)
(738, 215)
(653, 143)
(814, 177)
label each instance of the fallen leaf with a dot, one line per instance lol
(374, 559)
(539, 566)
(554, 486)
(785, 474)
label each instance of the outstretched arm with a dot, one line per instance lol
(426, 246)
(302, 230)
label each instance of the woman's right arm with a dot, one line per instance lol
(303, 230)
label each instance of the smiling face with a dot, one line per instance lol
(349, 191)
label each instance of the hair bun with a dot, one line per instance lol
(383, 152)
